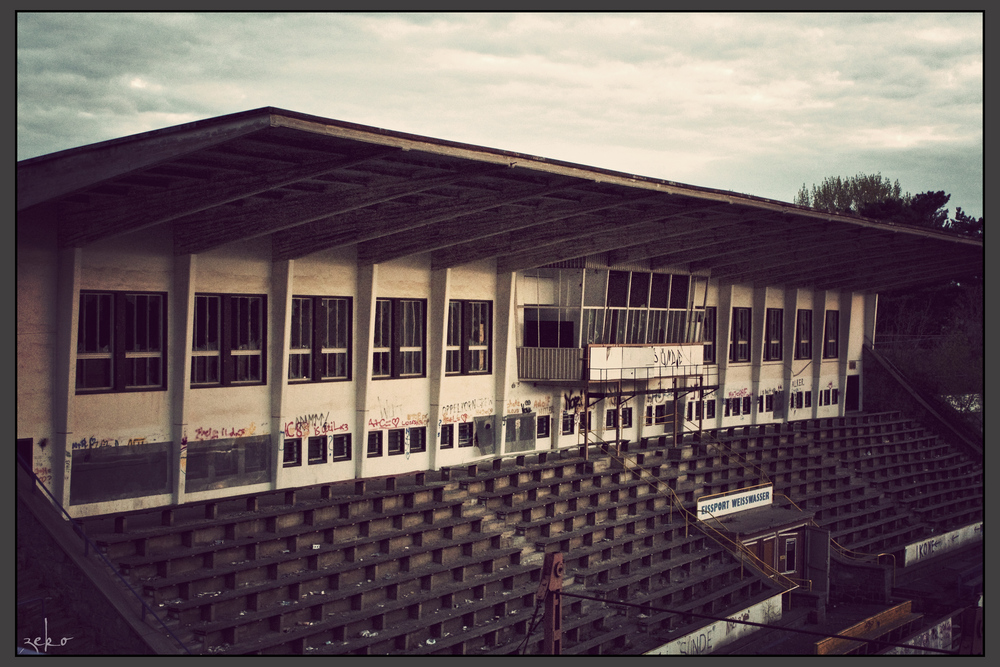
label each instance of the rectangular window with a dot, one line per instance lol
(611, 418)
(808, 399)
(397, 439)
(468, 348)
(374, 444)
(229, 341)
(542, 428)
(772, 343)
(746, 405)
(836, 396)
(626, 417)
(398, 345)
(317, 449)
(710, 409)
(447, 436)
(590, 422)
(708, 335)
(418, 439)
(466, 434)
(319, 346)
(831, 335)
(769, 403)
(661, 414)
(292, 453)
(803, 334)
(739, 344)
(342, 447)
(789, 565)
(121, 341)
(568, 421)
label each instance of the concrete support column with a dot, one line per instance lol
(505, 377)
(364, 334)
(758, 339)
(723, 337)
(181, 340)
(437, 327)
(280, 333)
(64, 382)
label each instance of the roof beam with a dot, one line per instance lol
(399, 241)
(650, 228)
(211, 229)
(58, 174)
(475, 231)
(136, 213)
(331, 231)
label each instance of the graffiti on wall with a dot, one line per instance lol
(412, 419)
(462, 412)
(572, 402)
(211, 433)
(93, 442)
(318, 423)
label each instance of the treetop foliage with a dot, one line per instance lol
(874, 196)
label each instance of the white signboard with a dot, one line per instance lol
(935, 546)
(737, 501)
(716, 635)
(639, 362)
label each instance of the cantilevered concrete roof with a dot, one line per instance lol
(312, 183)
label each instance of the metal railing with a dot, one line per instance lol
(88, 545)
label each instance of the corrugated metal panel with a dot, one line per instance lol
(549, 363)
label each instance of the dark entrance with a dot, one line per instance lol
(24, 451)
(852, 397)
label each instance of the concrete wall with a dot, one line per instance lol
(92, 434)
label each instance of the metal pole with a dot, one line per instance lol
(550, 589)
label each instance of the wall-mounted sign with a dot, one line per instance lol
(640, 362)
(721, 504)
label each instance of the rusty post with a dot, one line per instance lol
(550, 590)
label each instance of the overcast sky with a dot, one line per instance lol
(756, 103)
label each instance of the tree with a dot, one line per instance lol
(850, 195)
(933, 333)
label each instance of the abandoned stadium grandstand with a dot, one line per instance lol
(311, 387)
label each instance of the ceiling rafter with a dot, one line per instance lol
(467, 234)
(206, 230)
(328, 232)
(651, 227)
(137, 213)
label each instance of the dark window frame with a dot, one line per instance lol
(709, 334)
(121, 334)
(739, 342)
(317, 450)
(568, 423)
(466, 434)
(291, 453)
(803, 334)
(831, 334)
(461, 341)
(341, 446)
(373, 448)
(447, 436)
(773, 334)
(543, 427)
(228, 352)
(389, 357)
(318, 331)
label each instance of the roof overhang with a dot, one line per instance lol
(310, 184)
